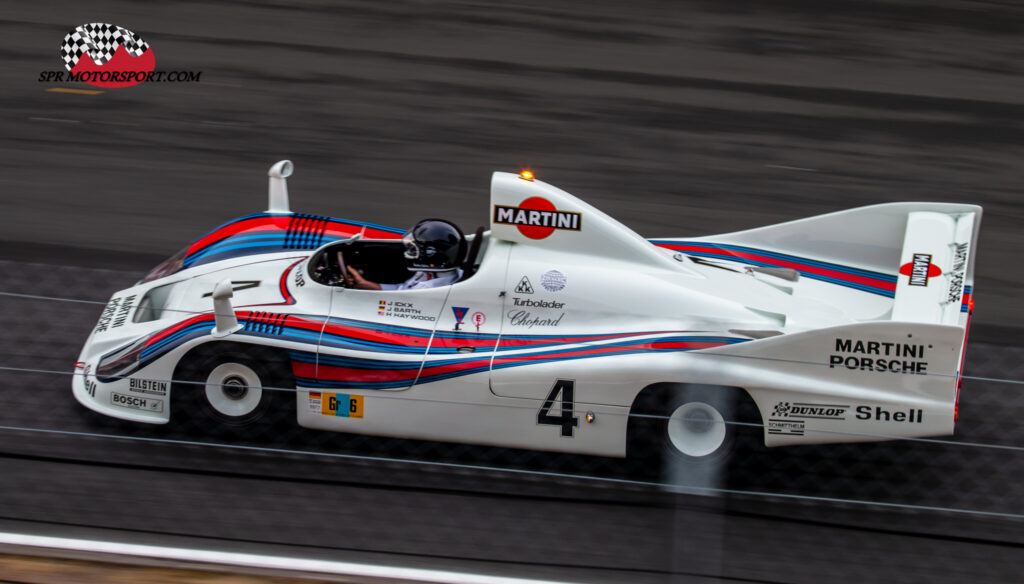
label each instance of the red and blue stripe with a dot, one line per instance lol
(857, 278)
(333, 372)
(277, 232)
(409, 347)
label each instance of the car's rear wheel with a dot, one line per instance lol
(698, 429)
(687, 427)
(232, 389)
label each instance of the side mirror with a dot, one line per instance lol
(223, 312)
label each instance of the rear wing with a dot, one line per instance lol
(933, 273)
(870, 249)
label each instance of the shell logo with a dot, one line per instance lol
(107, 55)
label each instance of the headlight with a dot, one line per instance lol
(121, 362)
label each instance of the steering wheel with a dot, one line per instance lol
(327, 272)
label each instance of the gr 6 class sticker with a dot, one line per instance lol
(341, 405)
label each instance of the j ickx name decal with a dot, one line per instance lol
(402, 310)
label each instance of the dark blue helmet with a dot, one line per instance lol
(434, 245)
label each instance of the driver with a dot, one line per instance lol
(434, 248)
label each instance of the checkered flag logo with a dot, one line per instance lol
(100, 41)
(781, 409)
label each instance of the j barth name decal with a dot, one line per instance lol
(537, 218)
(402, 310)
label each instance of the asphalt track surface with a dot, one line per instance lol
(679, 119)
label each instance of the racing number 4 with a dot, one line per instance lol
(564, 388)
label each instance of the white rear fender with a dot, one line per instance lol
(871, 381)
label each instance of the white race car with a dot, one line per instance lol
(567, 331)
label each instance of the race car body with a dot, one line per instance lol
(567, 331)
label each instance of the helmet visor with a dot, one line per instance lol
(412, 251)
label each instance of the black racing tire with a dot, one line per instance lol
(233, 389)
(688, 427)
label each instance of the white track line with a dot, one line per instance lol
(194, 557)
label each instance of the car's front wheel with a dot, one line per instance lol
(231, 389)
(234, 393)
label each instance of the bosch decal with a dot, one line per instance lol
(537, 218)
(137, 403)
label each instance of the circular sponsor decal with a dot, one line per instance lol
(478, 319)
(107, 55)
(552, 280)
(536, 204)
(907, 269)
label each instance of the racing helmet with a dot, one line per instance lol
(434, 245)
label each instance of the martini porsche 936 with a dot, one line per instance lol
(556, 328)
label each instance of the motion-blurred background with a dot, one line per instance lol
(679, 118)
